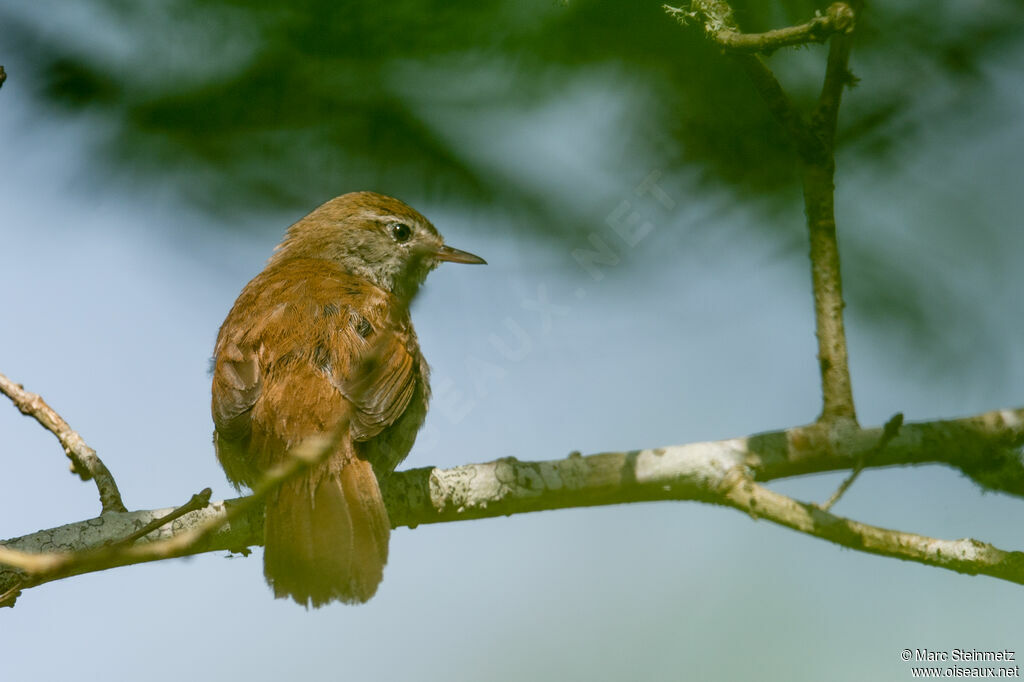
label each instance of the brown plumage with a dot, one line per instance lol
(322, 340)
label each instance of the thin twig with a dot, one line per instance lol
(305, 455)
(892, 427)
(46, 567)
(780, 106)
(720, 27)
(197, 501)
(10, 596)
(84, 460)
(3, 76)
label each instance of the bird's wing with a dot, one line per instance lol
(374, 362)
(236, 386)
(237, 383)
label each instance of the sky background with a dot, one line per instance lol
(113, 287)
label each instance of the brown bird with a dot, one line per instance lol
(317, 343)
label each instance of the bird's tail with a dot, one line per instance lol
(326, 536)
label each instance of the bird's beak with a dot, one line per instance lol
(451, 255)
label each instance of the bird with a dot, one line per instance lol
(320, 343)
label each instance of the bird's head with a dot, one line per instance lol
(375, 237)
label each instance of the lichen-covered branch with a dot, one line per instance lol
(84, 460)
(963, 556)
(41, 557)
(988, 448)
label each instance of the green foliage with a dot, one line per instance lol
(256, 102)
(534, 106)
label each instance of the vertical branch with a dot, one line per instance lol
(818, 176)
(815, 147)
(819, 191)
(837, 77)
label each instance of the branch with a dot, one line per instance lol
(889, 431)
(720, 26)
(962, 556)
(3, 76)
(42, 554)
(986, 447)
(819, 194)
(197, 501)
(833, 358)
(84, 460)
(40, 568)
(808, 145)
(815, 148)
(837, 77)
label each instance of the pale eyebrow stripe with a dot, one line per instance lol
(381, 217)
(385, 218)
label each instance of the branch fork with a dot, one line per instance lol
(719, 23)
(814, 143)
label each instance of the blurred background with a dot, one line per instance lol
(154, 153)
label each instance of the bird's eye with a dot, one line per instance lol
(400, 232)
